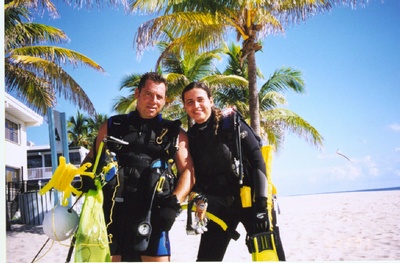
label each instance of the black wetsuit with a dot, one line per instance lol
(212, 156)
(137, 181)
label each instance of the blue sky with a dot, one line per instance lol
(350, 63)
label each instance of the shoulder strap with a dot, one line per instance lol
(238, 145)
(231, 122)
(170, 130)
(116, 124)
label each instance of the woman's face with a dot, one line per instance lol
(197, 105)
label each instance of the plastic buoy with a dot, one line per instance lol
(60, 223)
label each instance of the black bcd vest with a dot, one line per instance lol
(150, 152)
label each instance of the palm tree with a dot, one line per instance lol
(275, 121)
(33, 72)
(82, 130)
(78, 130)
(202, 25)
(94, 124)
(127, 104)
(180, 70)
(40, 6)
(96, 121)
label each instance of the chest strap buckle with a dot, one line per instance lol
(159, 139)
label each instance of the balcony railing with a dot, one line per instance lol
(41, 173)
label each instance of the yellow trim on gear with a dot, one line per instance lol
(264, 255)
(266, 152)
(212, 217)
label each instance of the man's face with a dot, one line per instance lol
(151, 99)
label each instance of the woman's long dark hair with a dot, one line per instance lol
(200, 85)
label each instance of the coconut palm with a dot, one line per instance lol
(202, 25)
(180, 70)
(126, 104)
(40, 6)
(78, 130)
(94, 124)
(82, 130)
(33, 72)
(275, 121)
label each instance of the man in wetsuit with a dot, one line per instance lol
(145, 179)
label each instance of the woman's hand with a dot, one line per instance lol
(200, 204)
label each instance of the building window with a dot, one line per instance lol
(12, 174)
(75, 158)
(12, 131)
(47, 160)
(13, 183)
(35, 161)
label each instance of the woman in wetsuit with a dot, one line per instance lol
(211, 141)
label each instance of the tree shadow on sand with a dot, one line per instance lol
(22, 228)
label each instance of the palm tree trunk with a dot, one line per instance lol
(253, 92)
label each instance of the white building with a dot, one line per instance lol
(40, 165)
(17, 118)
(31, 204)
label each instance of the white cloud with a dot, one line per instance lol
(348, 172)
(370, 166)
(360, 168)
(395, 127)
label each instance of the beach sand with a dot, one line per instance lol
(363, 226)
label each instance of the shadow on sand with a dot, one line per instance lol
(22, 228)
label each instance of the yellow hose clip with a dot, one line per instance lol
(160, 184)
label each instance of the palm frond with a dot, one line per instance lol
(190, 31)
(270, 100)
(38, 5)
(58, 55)
(125, 104)
(218, 81)
(283, 79)
(130, 81)
(32, 34)
(59, 81)
(29, 88)
(147, 6)
(291, 122)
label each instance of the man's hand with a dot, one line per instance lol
(85, 184)
(169, 211)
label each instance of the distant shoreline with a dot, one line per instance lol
(397, 188)
(378, 189)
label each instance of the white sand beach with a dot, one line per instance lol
(362, 226)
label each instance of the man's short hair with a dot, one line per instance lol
(154, 76)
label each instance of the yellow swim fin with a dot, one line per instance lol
(262, 247)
